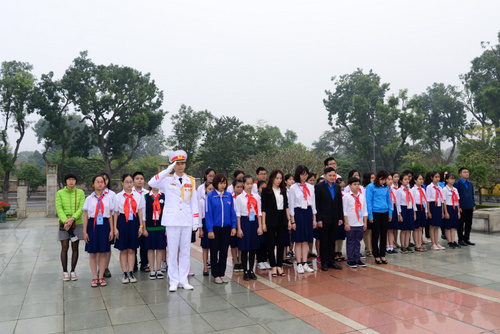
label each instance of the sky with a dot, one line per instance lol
(257, 60)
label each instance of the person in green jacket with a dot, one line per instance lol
(69, 206)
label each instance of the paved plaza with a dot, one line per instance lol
(450, 291)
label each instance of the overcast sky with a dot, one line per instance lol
(256, 60)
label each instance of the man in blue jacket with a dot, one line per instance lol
(467, 207)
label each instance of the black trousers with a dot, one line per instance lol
(262, 251)
(275, 239)
(465, 225)
(379, 233)
(218, 250)
(143, 253)
(327, 237)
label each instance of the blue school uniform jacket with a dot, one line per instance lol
(220, 211)
(466, 192)
(378, 199)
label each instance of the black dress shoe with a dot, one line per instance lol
(470, 243)
(334, 266)
(246, 276)
(462, 243)
(324, 267)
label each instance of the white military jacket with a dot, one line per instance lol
(181, 201)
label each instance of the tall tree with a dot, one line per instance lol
(358, 104)
(118, 105)
(16, 91)
(483, 82)
(189, 127)
(445, 119)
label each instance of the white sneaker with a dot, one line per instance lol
(300, 269)
(163, 266)
(152, 274)
(131, 277)
(308, 269)
(125, 278)
(268, 266)
(65, 276)
(172, 288)
(187, 286)
(159, 274)
(225, 280)
(73, 276)
(261, 266)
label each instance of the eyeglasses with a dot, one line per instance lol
(128, 182)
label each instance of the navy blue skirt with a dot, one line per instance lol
(204, 240)
(156, 240)
(437, 214)
(303, 225)
(448, 224)
(251, 239)
(341, 232)
(128, 233)
(394, 223)
(421, 219)
(408, 223)
(98, 237)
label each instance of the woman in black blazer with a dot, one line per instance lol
(276, 220)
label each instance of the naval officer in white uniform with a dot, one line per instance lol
(180, 217)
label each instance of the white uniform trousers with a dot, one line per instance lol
(179, 244)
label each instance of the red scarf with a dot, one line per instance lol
(99, 201)
(252, 202)
(156, 206)
(422, 193)
(438, 193)
(358, 205)
(305, 190)
(408, 197)
(393, 198)
(126, 206)
(454, 198)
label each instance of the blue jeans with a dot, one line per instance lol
(353, 244)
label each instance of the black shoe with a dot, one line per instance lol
(352, 264)
(470, 243)
(107, 273)
(324, 267)
(378, 262)
(360, 263)
(462, 243)
(411, 244)
(334, 266)
(311, 255)
(205, 273)
(393, 251)
(252, 275)
(457, 245)
(287, 263)
(246, 276)
(443, 236)
(451, 245)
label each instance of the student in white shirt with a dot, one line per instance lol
(451, 210)
(436, 211)
(111, 193)
(98, 228)
(422, 206)
(207, 176)
(355, 220)
(407, 212)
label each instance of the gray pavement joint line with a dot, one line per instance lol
(309, 303)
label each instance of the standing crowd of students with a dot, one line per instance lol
(265, 220)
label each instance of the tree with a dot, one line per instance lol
(377, 128)
(118, 105)
(483, 83)
(189, 127)
(445, 119)
(480, 153)
(16, 90)
(56, 127)
(33, 175)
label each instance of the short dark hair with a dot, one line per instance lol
(96, 176)
(236, 181)
(70, 176)
(381, 175)
(340, 180)
(218, 178)
(320, 179)
(328, 170)
(137, 173)
(327, 160)
(261, 182)
(260, 169)
(287, 176)
(299, 171)
(449, 176)
(366, 178)
(238, 172)
(207, 171)
(461, 169)
(351, 173)
(311, 175)
(124, 176)
(352, 180)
